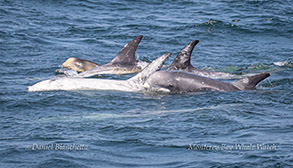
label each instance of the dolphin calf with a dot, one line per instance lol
(123, 63)
(134, 84)
(182, 63)
(182, 82)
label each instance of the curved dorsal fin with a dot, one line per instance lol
(150, 69)
(127, 54)
(182, 60)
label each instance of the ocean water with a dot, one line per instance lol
(117, 129)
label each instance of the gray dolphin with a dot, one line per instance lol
(123, 63)
(182, 63)
(182, 82)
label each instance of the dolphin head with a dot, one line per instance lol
(79, 65)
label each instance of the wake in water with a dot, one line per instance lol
(134, 113)
(288, 64)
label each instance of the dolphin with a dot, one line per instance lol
(134, 84)
(182, 63)
(123, 63)
(182, 82)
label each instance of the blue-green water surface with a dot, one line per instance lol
(117, 129)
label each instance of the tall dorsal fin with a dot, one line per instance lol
(182, 61)
(127, 54)
(249, 83)
(150, 69)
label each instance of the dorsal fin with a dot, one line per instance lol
(249, 83)
(127, 54)
(182, 60)
(150, 69)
